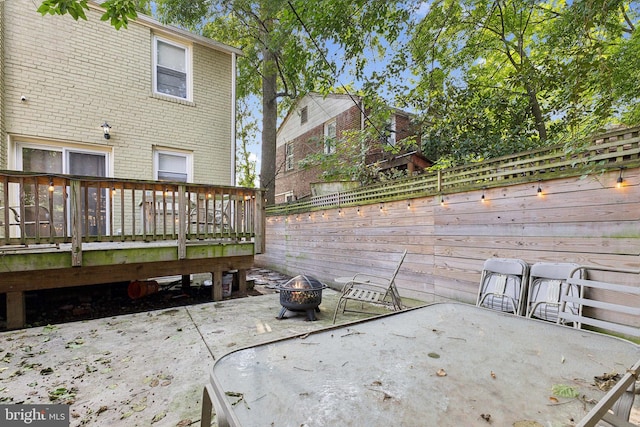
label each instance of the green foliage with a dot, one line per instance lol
(500, 77)
(118, 12)
(75, 8)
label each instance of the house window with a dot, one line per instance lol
(289, 156)
(172, 69)
(330, 137)
(390, 131)
(172, 166)
(304, 115)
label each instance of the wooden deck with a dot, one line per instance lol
(61, 231)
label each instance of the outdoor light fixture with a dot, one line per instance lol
(409, 204)
(482, 199)
(358, 210)
(441, 201)
(620, 181)
(381, 206)
(51, 187)
(113, 190)
(106, 129)
(539, 191)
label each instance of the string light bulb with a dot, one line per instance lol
(51, 187)
(408, 204)
(482, 198)
(441, 200)
(539, 191)
(620, 181)
(113, 191)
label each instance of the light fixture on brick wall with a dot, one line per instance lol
(106, 130)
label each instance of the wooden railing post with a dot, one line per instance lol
(76, 224)
(182, 222)
(260, 223)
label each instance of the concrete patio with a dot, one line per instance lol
(146, 368)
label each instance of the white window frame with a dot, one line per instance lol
(65, 149)
(160, 151)
(329, 139)
(188, 67)
(391, 128)
(288, 147)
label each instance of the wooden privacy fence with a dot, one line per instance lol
(40, 209)
(613, 150)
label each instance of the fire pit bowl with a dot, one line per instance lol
(301, 293)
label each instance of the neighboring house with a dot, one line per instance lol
(315, 124)
(167, 95)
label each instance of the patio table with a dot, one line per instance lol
(446, 364)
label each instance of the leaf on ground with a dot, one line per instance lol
(434, 355)
(158, 417)
(184, 423)
(76, 343)
(139, 408)
(126, 415)
(563, 390)
(46, 371)
(441, 373)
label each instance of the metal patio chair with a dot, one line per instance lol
(367, 288)
(547, 284)
(503, 285)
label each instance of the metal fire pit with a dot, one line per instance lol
(301, 293)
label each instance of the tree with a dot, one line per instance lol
(284, 42)
(498, 76)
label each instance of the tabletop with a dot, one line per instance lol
(446, 364)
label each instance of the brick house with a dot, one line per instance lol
(314, 123)
(167, 96)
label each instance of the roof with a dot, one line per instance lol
(149, 22)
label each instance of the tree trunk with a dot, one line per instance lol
(269, 122)
(537, 113)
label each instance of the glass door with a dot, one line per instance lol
(93, 201)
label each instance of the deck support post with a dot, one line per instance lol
(216, 288)
(242, 281)
(16, 314)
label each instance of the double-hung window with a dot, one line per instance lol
(172, 166)
(289, 156)
(330, 137)
(172, 68)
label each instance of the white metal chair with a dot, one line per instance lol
(503, 285)
(367, 288)
(612, 306)
(547, 284)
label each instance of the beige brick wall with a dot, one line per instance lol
(76, 75)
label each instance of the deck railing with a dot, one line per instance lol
(612, 150)
(38, 209)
